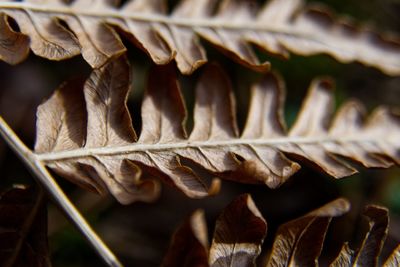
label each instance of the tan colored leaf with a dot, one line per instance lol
(23, 224)
(48, 38)
(394, 258)
(97, 148)
(189, 245)
(345, 257)
(299, 242)
(378, 222)
(279, 27)
(14, 47)
(238, 235)
(240, 231)
(65, 123)
(370, 249)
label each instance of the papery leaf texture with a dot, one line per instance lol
(84, 132)
(240, 231)
(300, 242)
(23, 224)
(369, 252)
(59, 29)
(394, 258)
(238, 236)
(189, 246)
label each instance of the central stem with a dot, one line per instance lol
(141, 147)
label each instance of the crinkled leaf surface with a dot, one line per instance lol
(394, 258)
(299, 242)
(241, 229)
(239, 233)
(58, 30)
(85, 133)
(238, 236)
(371, 246)
(23, 224)
(189, 245)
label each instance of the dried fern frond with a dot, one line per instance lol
(394, 258)
(279, 27)
(300, 242)
(240, 231)
(85, 133)
(371, 246)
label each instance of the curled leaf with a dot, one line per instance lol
(299, 242)
(374, 238)
(238, 236)
(87, 134)
(189, 245)
(394, 258)
(378, 222)
(58, 30)
(93, 118)
(239, 233)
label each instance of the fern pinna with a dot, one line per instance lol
(57, 30)
(240, 231)
(84, 129)
(85, 132)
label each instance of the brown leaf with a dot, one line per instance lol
(238, 235)
(345, 257)
(299, 242)
(98, 148)
(67, 125)
(370, 249)
(14, 46)
(48, 38)
(279, 27)
(23, 223)
(63, 124)
(189, 245)
(378, 222)
(240, 231)
(394, 258)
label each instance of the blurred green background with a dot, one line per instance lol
(139, 233)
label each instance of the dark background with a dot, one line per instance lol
(139, 233)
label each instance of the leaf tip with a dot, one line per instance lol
(215, 187)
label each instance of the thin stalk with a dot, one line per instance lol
(151, 18)
(47, 181)
(138, 147)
